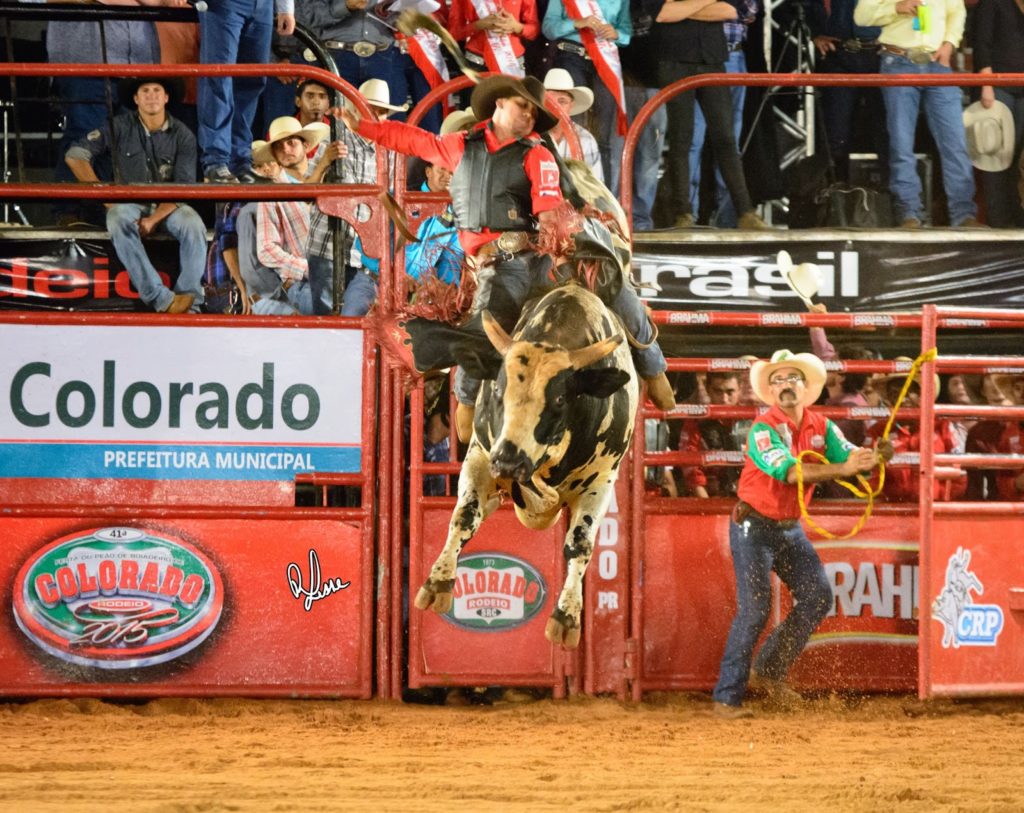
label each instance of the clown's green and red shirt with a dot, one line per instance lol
(773, 444)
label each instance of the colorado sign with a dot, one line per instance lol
(118, 598)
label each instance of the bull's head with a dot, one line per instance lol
(539, 385)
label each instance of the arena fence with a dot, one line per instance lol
(656, 607)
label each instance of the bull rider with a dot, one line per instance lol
(505, 189)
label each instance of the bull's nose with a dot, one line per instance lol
(508, 460)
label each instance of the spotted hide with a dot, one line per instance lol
(550, 431)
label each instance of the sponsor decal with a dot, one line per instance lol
(763, 440)
(696, 410)
(689, 318)
(730, 364)
(548, 176)
(966, 322)
(318, 587)
(118, 598)
(875, 319)
(493, 591)
(782, 319)
(774, 457)
(965, 623)
(723, 457)
(872, 589)
(817, 441)
(869, 412)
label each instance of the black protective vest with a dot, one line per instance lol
(491, 190)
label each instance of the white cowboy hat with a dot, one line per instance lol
(804, 279)
(288, 127)
(377, 94)
(422, 6)
(812, 367)
(561, 80)
(457, 120)
(989, 136)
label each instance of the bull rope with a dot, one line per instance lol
(865, 492)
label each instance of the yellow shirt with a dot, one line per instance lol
(947, 23)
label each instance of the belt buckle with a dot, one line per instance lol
(364, 49)
(511, 242)
(919, 56)
(853, 46)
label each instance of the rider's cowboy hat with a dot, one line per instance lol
(288, 127)
(173, 86)
(378, 95)
(989, 136)
(812, 368)
(486, 94)
(804, 279)
(561, 80)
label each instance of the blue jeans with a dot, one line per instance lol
(390, 65)
(646, 157)
(725, 217)
(360, 294)
(231, 32)
(187, 228)
(758, 547)
(944, 113)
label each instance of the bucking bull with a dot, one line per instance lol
(550, 430)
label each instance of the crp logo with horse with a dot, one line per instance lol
(964, 622)
(118, 598)
(495, 592)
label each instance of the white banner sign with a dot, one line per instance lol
(153, 402)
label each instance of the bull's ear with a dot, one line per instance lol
(496, 333)
(599, 383)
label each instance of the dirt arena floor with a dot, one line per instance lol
(185, 756)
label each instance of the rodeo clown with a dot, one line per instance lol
(765, 532)
(505, 189)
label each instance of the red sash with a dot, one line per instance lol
(603, 53)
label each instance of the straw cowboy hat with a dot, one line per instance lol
(489, 90)
(804, 279)
(457, 121)
(288, 127)
(561, 80)
(173, 86)
(989, 136)
(883, 380)
(812, 367)
(378, 94)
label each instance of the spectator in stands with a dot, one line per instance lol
(724, 215)
(1010, 483)
(959, 392)
(639, 61)
(577, 28)
(278, 278)
(983, 438)
(222, 267)
(359, 167)
(230, 32)
(573, 101)
(690, 41)
(845, 47)
(765, 532)
(360, 37)
(713, 435)
(901, 483)
(998, 36)
(924, 49)
(84, 98)
(436, 252)
(493, 32)
(149, 146)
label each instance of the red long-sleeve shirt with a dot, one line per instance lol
(463, 15)
(447, 150)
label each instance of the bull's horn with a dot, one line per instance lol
(595, 352)
(496, 333)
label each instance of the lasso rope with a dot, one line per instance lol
(865, 492)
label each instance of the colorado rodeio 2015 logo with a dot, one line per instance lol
(118, 598)
(495, 592)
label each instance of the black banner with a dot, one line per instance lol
(897, 272)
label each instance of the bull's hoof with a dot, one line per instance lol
(436, 596)
(559, 632)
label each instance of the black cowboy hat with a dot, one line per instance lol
(127, 88)
(489, 90)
